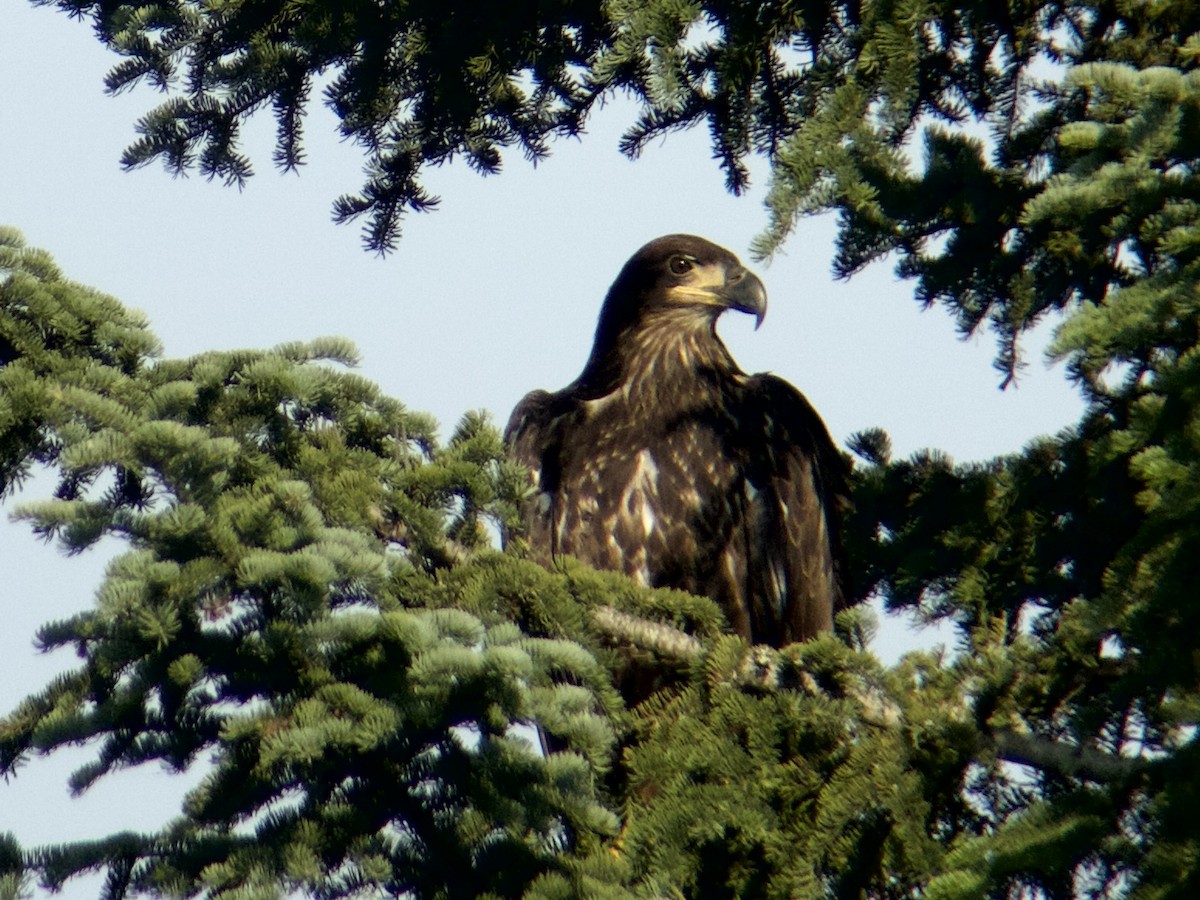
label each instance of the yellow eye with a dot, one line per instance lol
(679, 265)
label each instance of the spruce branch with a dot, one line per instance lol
(441, 553)
(1087, 763)
(668, 643)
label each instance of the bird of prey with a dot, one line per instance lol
(665, 461)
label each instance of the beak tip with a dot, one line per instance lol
(747, 294)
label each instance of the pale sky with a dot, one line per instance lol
(493, 294)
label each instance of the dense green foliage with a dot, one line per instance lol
(308, 592)
(256, 610)
(309, 600)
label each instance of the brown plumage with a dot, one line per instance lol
(663, 460)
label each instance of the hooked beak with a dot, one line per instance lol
(744, 292)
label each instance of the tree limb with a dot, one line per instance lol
(1065, 759)
(668, 643)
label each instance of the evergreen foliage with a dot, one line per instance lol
(359, 737)
(308, 602)
(309, 598)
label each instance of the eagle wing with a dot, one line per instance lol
(787, 573)
(533, 438)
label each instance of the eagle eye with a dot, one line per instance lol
(679, 265)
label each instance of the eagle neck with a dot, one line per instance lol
(647, 357)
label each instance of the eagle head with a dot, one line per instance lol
(682, 273)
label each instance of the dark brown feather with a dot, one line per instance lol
(666, 462)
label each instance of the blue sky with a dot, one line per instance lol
(493, 294)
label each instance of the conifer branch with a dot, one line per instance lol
(1073, 762)
(667, 643)
(442, 553)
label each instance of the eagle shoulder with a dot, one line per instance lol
(524, 434)
(534, 437)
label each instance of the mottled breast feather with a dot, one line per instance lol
(729, 491)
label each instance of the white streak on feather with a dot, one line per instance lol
(612, 536)
(638, 568)
(778, 586)
(731, 570)
(643, 483)
(560, 525)
(592, 407)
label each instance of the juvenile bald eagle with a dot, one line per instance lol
(665, 461)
